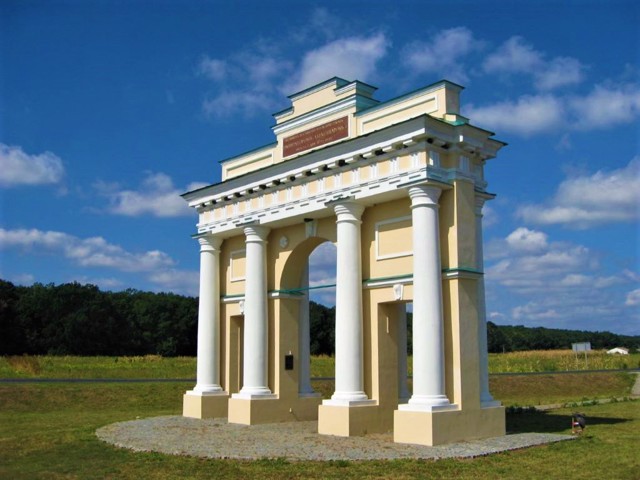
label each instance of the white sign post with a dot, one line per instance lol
(582, 347)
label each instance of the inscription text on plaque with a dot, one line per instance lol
(316, 136)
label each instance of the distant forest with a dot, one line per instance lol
(76, 319)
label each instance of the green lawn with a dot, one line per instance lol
(47, 431)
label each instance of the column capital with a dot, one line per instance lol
(348, 211)
(209, 243)
(479, 204)
(256, 233)
(422, 195)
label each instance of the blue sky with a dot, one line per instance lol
(110, 109)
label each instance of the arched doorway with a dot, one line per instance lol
(315, 299)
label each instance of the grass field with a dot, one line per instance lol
(155, 366)
(47, 431)
(560, 360)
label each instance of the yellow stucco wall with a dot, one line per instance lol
(400, 265)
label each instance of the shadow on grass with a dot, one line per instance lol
(547, 422)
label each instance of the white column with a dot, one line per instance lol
(428, 328)
(255, 360)
(208, 360)
(403, 388)
(485, 396)
(304, 340)
(349, 351)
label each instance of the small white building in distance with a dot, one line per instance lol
(618, 351)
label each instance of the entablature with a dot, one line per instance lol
(368, 168)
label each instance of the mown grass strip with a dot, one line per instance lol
(47, 431)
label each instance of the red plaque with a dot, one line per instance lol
(316, 136)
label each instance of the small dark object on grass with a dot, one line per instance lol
(578, 422)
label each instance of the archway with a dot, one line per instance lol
(315, 291)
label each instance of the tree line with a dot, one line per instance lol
(79, 319)
(508, 338)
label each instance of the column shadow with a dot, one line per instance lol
(527, 421)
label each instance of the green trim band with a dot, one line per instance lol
(462, 270)
(301, 290)
(384, 279)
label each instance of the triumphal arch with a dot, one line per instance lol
(398, 187)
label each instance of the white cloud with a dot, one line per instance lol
(517, 57)
(108, 283)
(442, 54)
(322, 265)
(523, 239)
(559, 72)
(529, 115)
(564, 143)
(22, 278)
(86, 252)
(534, 311)
(631, 275)
(212, 68)
(156, 195)
(322, 271)
(527, 261)
(185, 282)
(489, 216)
(353, 58)
(587, 201)
(248, 82)
(606, 106)
(263, 69)
(602, 108)
(325, 22)
(535, 271)
(247, 103)
(513, 56)
(633, 298)
(251, 79)
(554, 284)
(20, 168)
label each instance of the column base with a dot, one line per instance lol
(422, 401)
(443, 426)
(424, 407)
(358, 418)
(272, 409)
(252, 410)
(254, 396)
(348, 402)
(205, 405)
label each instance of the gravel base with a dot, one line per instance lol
(215, 438)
